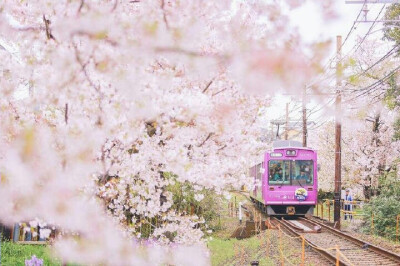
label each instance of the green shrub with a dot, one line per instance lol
(325, 195)
(385, 207)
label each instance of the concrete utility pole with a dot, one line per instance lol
(304, 118)
(287, 122)
(338, 135)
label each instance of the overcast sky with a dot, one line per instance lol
(313, 27)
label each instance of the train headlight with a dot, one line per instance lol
(290, 153)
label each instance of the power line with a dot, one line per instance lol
(391, 52)
(352, 27)
(324, 68)
(370, 28)
(372, 86)
(322, 107)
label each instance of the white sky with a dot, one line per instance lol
(313, 27)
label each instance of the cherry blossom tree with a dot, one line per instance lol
(106, 105)
(369, 149)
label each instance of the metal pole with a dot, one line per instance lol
(303, 255)
(338, 136)
(304, 118)
(287, 121)
(240, 212)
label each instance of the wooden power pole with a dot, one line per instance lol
(287, 122)
(338, 135)
(304, 118)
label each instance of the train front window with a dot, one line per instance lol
(290, 172)
(279, 172)
(303, 172)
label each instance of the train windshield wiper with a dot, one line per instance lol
(298, 181)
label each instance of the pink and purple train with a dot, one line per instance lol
(289, 184)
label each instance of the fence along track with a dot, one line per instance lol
(364, 249)
(335, 245)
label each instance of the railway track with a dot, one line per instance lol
(325, 241)
(328, 241)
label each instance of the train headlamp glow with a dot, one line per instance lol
(290, 153)
(276, 154)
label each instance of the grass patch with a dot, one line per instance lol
(15, 254)
(221, 250)
(237, 252)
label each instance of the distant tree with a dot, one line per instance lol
(391, 30)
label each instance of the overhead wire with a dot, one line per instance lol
(313, 111)
(325, 67)
(355, 48)
(372, 86)
(389, 53)
(370, 28)
(354, 24)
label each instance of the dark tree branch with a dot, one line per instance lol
(218, 92)
(208, 137)
(66, 114)
(84, 70)
(208, 85)
(223, 147)
(47, 23)
(81, 6)
(16, 115)
(91, 83)
(164, 14)
(114, 6)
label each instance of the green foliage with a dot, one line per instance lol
(184, 201)
(15, 254)
(325, 195)
(391, 30)
(396, 127)
(392, 93)
(354, 79)
(384, 208)
(391, 100)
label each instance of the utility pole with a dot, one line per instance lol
(338, 135)
(278, 123)
(287, 121)
(304, 118)
(272, 131)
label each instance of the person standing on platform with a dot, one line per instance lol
(348, 205)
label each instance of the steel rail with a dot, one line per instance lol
(331, 258)
(361, 243)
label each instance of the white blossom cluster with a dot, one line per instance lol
(105, 105)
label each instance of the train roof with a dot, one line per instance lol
(285, 144)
